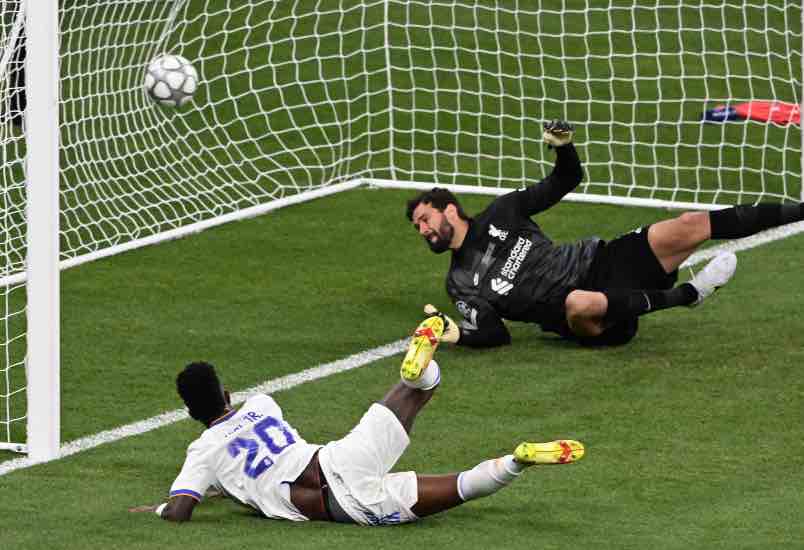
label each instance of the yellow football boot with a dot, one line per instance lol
(562, 451)
(421, 348)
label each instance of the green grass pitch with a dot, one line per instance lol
(693, 431)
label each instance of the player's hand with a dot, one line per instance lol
(558, 133)
(452, 333)
(145, 508)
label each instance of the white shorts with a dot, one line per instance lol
(357, 466)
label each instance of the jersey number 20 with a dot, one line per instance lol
(252, 447)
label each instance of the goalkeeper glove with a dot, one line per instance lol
(452, 333)
(557, 133)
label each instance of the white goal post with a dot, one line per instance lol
(303, 98)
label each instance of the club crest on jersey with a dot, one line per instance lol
(498, 233)
(469, 315)
(501, 286)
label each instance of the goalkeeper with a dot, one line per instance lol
(592, 291)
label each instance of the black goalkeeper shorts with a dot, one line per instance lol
(625, 262)
(628, 262)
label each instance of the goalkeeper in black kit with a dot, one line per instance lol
(592, 291)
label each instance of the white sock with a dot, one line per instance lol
(430, 378)
(488, 477)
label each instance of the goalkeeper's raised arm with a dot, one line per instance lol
(565, 177)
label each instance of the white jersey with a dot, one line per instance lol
(252, 454)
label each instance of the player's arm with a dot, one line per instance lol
(481, 327)
(178, 508)
(566, 175)
(187, 490)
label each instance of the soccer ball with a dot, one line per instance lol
(171, 80)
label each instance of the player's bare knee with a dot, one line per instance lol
(695, 220)
(582, 304)
(679, 235)
(692, 228)
(585, 327)
(574, 304)
(584, 312)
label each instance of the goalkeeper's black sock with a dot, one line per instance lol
(745, 220)
(627, 304)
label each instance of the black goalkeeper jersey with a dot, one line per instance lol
(507, 268)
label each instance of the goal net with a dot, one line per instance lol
(471, 82)
(12, 228)
(308, 95)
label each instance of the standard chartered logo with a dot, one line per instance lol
(515, 258)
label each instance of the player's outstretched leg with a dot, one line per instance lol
(438, 493)
(492, 475)
(628, 304)
(713, 276)
(674, 240)
(623, 304)
(419, 372)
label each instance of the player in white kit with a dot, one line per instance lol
(255, 457)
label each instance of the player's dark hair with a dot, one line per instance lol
(437, 197)
(201, 391)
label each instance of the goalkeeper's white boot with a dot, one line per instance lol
(714, 275)
(421, 348)
(562, 451)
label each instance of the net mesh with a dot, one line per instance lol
(298, 95)
(12, 223)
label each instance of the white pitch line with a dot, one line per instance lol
(349, 363)
(271, 386)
